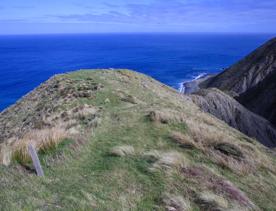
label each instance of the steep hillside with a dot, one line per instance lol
(248, 72)
(233, 113)
(261, 99)
(119, 140)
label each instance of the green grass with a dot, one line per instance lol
(92, 171)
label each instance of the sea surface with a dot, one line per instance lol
(28, 60)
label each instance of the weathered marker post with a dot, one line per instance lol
(36, 162)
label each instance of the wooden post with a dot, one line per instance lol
(36, 162)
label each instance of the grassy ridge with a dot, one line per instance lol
(160, 173)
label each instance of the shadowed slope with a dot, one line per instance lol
(233, 113)
(248, 72)
(261, 99)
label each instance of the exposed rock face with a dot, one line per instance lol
(252, 81)
(248, 72)
(233, 113)
(261, 99)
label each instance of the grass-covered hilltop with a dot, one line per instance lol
(119, 140)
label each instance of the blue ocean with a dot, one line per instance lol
(28, 60)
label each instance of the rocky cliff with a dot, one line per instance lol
(234, 114)
(261, 99)
(252, 82)
(248, 72)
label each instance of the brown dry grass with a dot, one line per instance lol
(206, 135)
(184, 140)
(59, 126)
(42, 140)
(204, 178)
(166, 160)
(122, 151)
(210, 201)
(176, 202)
(166, 116)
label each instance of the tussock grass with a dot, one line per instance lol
(203, 177)
(168, 160)
(42, 140)
(183, 140)
(176, 202)
(61, 125)
(171, 159)
(82, 111)
(166, 116)
(151, 156)
(122, 151)
(215, 140)
(210, 201)
(226, 150)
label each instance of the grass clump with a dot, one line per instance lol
(229, 149)
(165, 117)
(122, 151)
(43, 141)
(176, 202)
(210, 201)
(204, 178)
(170, 160)
(183, 140)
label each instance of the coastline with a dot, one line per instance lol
(191, 86)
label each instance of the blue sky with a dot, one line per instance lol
(97, 16)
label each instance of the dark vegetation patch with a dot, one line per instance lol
(205, 178)
(229, 150)
(211, 202)
(183, 141)
(129, 99)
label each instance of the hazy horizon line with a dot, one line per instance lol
(129, 33)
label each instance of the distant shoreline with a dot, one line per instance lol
(188, 87)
